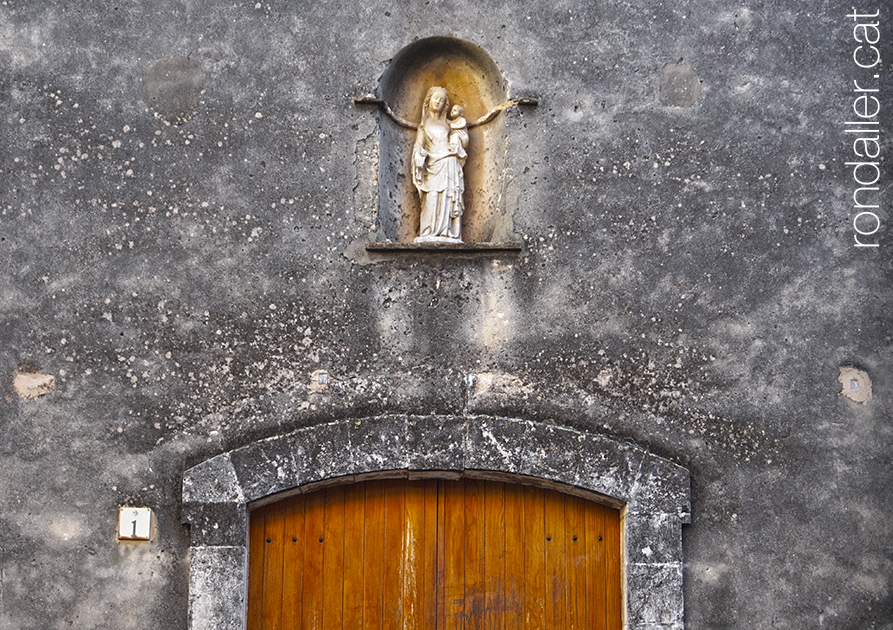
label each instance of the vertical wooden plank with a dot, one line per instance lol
(414, 557)
(612, 573)
(256, 552)
(535, 559)
(453, 515)
(374, 556)
(595, 565)
(314, 529)
(429, 598)
(556, 565)
(515, 542)
(475, 549)
(293, 564)
(333, 558)
(575, 541)
(494, 555)
(354, 554)
(392, 576)
(274, 525)
(439, 560)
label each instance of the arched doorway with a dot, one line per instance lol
(653, 493)
(433, 553)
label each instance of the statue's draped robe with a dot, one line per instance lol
(437, 173)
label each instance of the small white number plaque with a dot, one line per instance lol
(134, 523)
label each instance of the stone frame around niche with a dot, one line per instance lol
(652, 493)
(474, 80)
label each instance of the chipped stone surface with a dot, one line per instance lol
(662, 487)
(216, 588)
(658, 599)
(435, 445)
(33, 385)
(268, 468)
(679, 86)
(319, 383)
(213, 481)
(488, 388)
(216, 524)
(856, 384)
(655, 540)
(172, 88)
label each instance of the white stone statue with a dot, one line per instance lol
(437, 160)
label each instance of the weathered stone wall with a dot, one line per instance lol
(187, 191)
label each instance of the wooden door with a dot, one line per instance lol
(434, 555)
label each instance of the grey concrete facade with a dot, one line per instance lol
(187, 192)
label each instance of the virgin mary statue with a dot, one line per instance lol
(437, 160)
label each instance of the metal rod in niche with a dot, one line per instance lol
(370, 99)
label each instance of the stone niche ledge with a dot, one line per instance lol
(652, 493)
(458, 248)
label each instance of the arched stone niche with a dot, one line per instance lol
(474, 81)
(652, 493)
